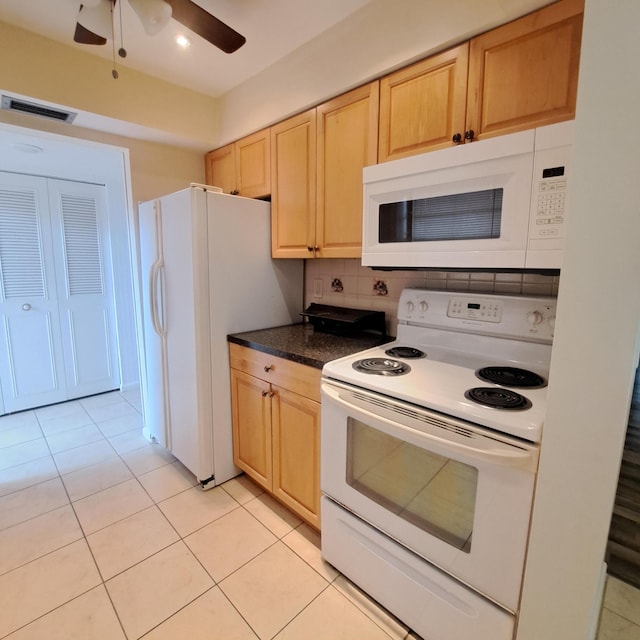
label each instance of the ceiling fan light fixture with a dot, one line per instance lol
(182, 41)
(154, 14)
(97, 18)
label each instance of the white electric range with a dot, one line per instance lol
(429, 453)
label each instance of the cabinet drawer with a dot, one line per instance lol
(294, 376)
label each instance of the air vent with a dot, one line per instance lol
(34, 109)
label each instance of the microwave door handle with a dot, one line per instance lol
(506, 458)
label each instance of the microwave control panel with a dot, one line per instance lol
(551, 176)
(550, 191)
(550, 199)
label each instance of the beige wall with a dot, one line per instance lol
(34, 66)
(156, 169)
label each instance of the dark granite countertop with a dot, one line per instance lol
(300, 343)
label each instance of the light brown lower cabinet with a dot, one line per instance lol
(276, 427)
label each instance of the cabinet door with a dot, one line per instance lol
(293, 193)
(525, 73)
(251, 407)
(296, 460)
(422, 106)
(253, 162)
(347, 142)
(220, 168)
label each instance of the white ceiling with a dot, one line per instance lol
(273, 29)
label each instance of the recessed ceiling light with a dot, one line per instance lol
(182, 41)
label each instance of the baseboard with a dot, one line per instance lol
(131, 386)
(597, 604)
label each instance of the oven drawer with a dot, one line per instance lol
(429, 601)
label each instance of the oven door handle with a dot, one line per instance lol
(506, 456)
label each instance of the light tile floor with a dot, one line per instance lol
(620, 616)
(104, 536)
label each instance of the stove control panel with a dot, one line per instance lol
(519, 317)
(471, 309)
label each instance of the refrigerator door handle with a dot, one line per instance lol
(161, 295)
(157, 299)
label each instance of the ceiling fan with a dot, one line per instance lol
(95, 22)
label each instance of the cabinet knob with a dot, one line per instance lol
(309, 248)
(235, 192)
(265, 394)
(469, 135)
(316, 248)
(456, 138)
(268, 368)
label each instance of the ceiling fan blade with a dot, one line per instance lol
(84, 36)
(204, 24)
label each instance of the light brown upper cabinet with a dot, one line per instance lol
(317, 159)
(525, 73)
(293, 186)
(243, 167)
(518, 76)
(347, 142)
(220, 168)
(422, 106)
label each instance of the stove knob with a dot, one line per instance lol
(534, 317)
(410, 306)
(423, 305)
(552, 322)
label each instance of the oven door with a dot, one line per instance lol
(453, 493)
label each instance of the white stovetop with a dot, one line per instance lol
(439, 381)
(461, 333)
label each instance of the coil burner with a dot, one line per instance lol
(511, 377)
(405, 352)
(381, 366)
(498, 398)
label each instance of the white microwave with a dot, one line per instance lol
(495, 204)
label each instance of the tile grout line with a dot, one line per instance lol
(623, 616)
(181, 538)
(279, 537)
(86, 541)
(83, 536)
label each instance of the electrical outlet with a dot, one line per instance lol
(317, 288)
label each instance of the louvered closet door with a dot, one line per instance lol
(82, 253)
(32, 371)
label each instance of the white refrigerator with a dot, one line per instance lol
(206, 271)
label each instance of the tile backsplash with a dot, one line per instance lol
(345, 283)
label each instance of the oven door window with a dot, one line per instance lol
(475, 215)
(432, 492)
